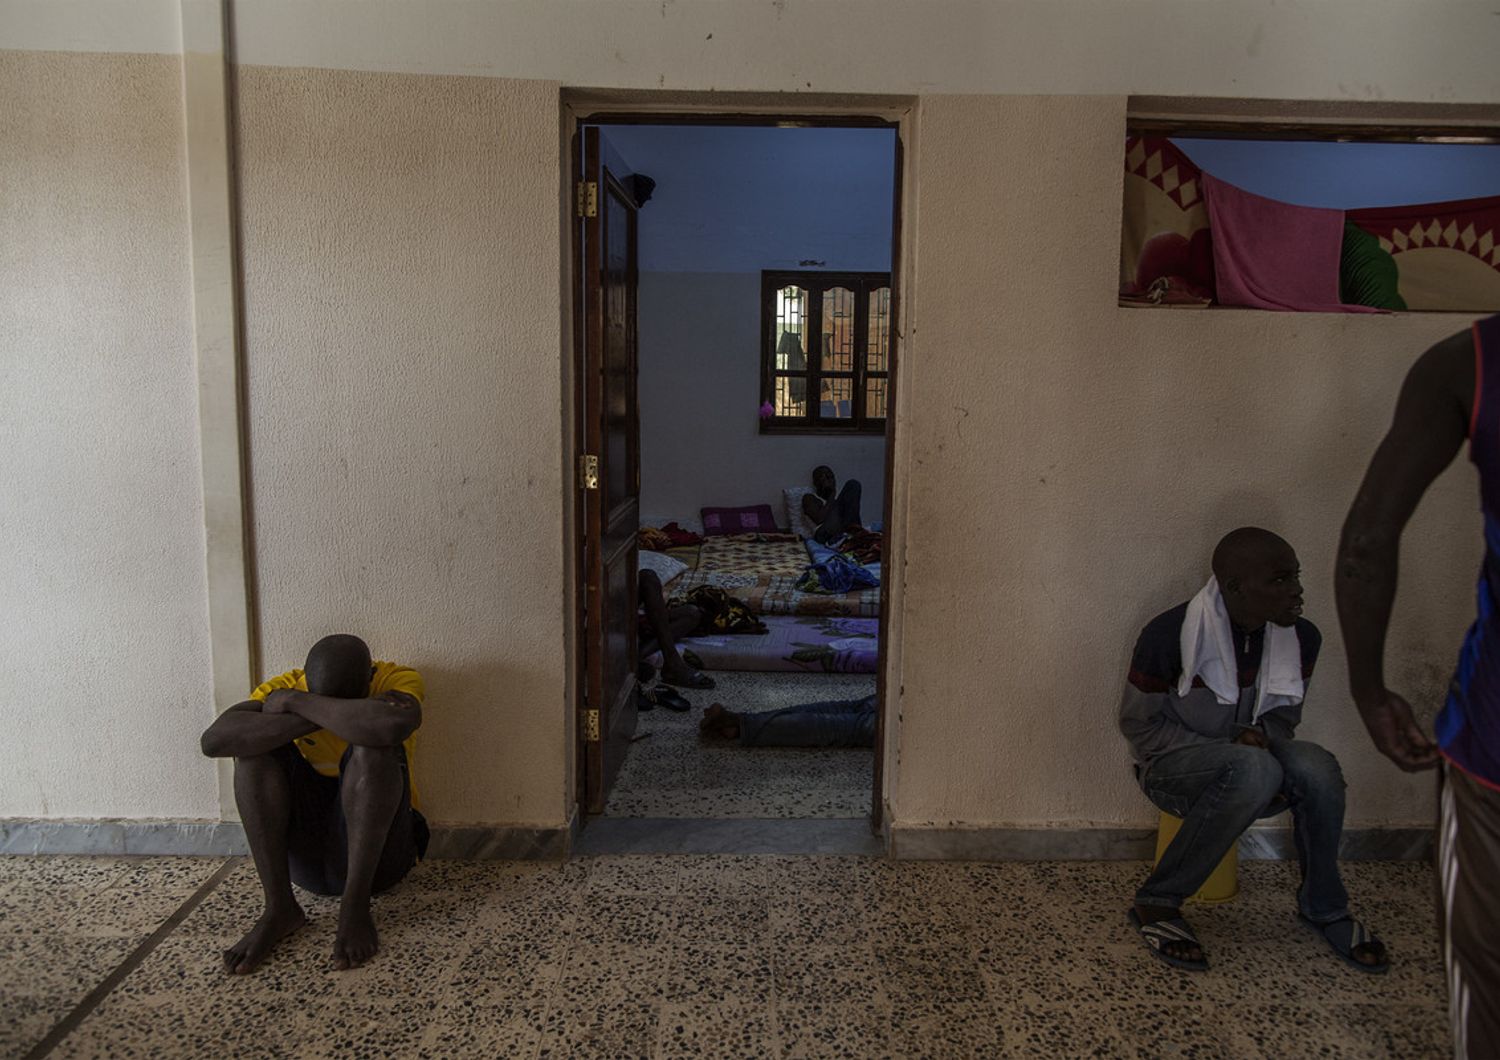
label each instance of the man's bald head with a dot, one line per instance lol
(339, 666)
(1259, 577)
(1246, 547)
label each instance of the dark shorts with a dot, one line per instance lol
(318, 836)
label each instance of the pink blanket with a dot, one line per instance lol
(1273, 255)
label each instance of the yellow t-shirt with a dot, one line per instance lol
(322, 749)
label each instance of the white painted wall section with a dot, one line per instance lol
(1440, 51)
(104, 627)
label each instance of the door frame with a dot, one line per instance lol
(597, 107)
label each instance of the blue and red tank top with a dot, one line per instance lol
(1468, 726)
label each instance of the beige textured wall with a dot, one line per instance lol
(401, 249)
(103, 622)
(1071, 465)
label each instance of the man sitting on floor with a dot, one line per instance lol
(836, 723)
(322, 778)
(831, 510)
(657, 629)
(1214, 697)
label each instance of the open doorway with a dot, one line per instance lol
(737, 330)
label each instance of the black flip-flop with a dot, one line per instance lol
(696, 679)
(667, 697)
(1343, 935)
(1160, 932)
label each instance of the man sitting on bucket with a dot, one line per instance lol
(1210, 711)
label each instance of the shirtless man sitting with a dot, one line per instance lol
(322, 778)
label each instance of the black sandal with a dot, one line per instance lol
(1344, 935)
(667, 697)
(694, 679)
(1159, 933)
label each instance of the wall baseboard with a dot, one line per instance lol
(227, 839)
(1125, 844)
(498, 843)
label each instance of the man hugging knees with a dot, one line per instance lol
(1210, 711)
(322, 778)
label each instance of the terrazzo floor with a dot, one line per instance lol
(671, 772)
(725, 956)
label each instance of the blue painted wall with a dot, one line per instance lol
(736, 199)
(1351, 176)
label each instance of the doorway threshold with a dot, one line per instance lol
(728, 835)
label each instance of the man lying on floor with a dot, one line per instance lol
(1210, 711)
(836, 723)
(322, 778)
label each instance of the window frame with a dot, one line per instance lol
(817, 282)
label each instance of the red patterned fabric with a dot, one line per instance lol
(755, 519)
(1166, 255)
(1447, 253)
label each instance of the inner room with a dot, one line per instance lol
(764, 317)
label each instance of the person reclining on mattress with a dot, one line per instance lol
(835, 723)
(1210, 710)
(833, 511)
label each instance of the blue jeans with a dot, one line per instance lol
(1220, 789)
(836, 723)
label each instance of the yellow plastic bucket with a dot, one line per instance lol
(1223, 884)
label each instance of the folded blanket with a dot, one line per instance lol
(1273, 255)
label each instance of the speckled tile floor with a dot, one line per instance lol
(673, 773)
(736, 956)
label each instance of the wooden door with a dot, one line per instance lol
(609, 470)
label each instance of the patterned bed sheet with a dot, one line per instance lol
(776, 594)
(791, 643)
(753, 554)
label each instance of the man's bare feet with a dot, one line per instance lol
(357, 940)
(274, 925)
(720, 723)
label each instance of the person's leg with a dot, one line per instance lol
(835, 723)
(1218, 790)
(263, 791)
(848, 503)
(839, 514)
(373, 791)
(666, 626)
(1314, 788)
(1468, 866)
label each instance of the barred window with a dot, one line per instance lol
(825, 352)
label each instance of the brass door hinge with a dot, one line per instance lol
(591, 726)
(588, 471)
(588, 198)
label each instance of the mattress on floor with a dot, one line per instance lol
(802, 643)
(753, 554)
(777, 594)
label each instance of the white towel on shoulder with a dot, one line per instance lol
(1208, 652)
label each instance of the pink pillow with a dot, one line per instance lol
(755, 519)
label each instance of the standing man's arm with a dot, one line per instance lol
(1430, 425)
